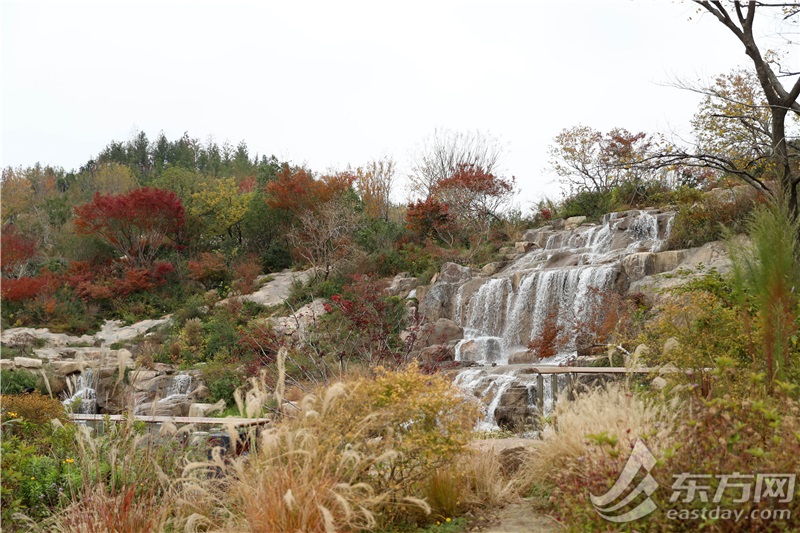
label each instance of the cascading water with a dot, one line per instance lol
(553, 282)
(181, 385)
(84, 395)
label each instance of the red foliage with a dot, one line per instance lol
(19, 289)
(549, 340)
(476, 180)
(296, 190)
(16, 249)
(112, 280)
(137, 224)
(258, 345)
(26, 287)
(210, 269)
(247, 185)
(428, 217)
(372, 321)
(245, 274)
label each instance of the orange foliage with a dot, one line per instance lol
(296, 190)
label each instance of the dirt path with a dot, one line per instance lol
(519, 517)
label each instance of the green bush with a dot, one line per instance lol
(222, 378)
(17, 381)
(591, 204)
(698, 223)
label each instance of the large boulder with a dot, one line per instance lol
(638, 265)
(65, 368)
(438, 301)
(513, 411)
(438, 353)
(27, 362)
(573, 222)
(443, 331)
(523, 247)
(454, 273)
(402, 284)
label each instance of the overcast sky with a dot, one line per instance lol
(332, 83)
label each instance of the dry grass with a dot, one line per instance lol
(610, 414)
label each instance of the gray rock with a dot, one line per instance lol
(402, 284)
(454, 273)
(65, 368)
(6, 364)
(27, 362)
(470, 351)
(437, 303)
(492, 268)
(206, 409)
(573, 222)
(638, 265)
(523, 247)
(442, 331)
(437, 353)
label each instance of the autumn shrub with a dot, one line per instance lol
(610, 414)
(720, 437)
(549, 340)
(18, 251)
(32, 414)
(223, 376)
(698, 223)
(699, 331)
(364, 324)
(245, 273)
(210, 269)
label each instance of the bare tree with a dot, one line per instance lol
(323, 237)
(444, 152)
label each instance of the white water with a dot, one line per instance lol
(84, 396)
(505, 313)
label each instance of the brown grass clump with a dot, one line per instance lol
(355, 456)
(602, 416)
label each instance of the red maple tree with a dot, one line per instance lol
(137, 224)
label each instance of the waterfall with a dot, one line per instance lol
(509, 310)
(181, 385)
(84, 396)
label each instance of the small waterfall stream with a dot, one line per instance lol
(83, 389)
(511, 308)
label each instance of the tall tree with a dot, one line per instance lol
(138, 224)
(374, 183)
(740, 18)
(588, 160)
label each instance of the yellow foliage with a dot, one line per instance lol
(220, 204)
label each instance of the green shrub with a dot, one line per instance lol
(591, 204)
(698, 223)
(223, 378)
(17, 381)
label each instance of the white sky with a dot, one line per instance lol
(332, 83)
